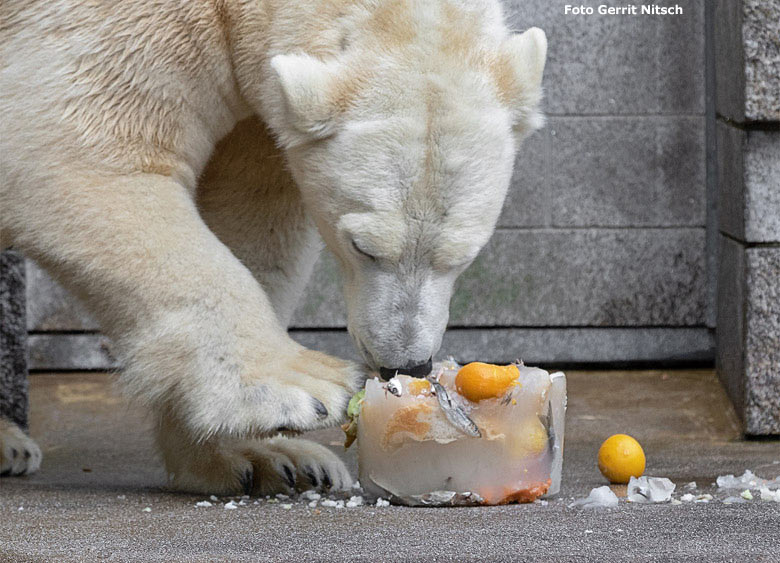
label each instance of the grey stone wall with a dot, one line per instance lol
(747, 45)
(601, 251)
(13, 339)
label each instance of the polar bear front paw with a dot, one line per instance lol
(19, 454)
(257, 467)
(298, 391)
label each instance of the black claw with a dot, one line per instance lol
(14, 453)
(312, 476)
(320, 409)
(289, 476)
(246, 481)
(326, 482)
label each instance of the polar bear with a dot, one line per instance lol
(175, 164)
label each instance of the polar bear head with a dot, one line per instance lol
(404, 154)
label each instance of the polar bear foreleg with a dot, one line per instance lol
(196, 334)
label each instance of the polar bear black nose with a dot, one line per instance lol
(420, 370)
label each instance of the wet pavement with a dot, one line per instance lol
(100, 474)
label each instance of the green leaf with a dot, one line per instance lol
(353, 408)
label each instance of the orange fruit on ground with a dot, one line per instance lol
(620, 458)
(477, 381)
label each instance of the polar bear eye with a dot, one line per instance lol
(361, 251)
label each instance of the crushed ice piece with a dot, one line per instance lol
(382, 502)
(688, 497)
(312, 504)
(649, 489)
(286, 505)
(356, 485)
(354, 501)
(121, 497)
(746, 494)
(147, 509)
(676, 502)
(767, 494)
(733, 500)
(241, 503)
(213, 498)
(231, 505)
(747, 480)
(329, 503)
(599, 497)
(203, 504)
(588, 531)
(690, 486)
(706, 497)
(282, 496)
(311, 495)
(21, 508)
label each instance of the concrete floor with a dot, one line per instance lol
(100, 472)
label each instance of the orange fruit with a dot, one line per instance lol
(477, 381)
(620, 458)
(529, 438)
(419, 386)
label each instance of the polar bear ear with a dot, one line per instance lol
(528, 53)
(307, 85)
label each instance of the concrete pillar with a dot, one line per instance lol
(747, 45)
(13, 339)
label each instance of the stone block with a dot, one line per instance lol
(749, 183)
(730, 174)
(529, 201)
(762, 186)
(618, 64)
(593, 277)
(51, 307)
(547, 277)
(633, 172)
(71, 352)
(748, 334)
(13, 339)
(731, 321)
(762, 341)
(747, 47)
(549, 345)
(729, 62)
(322, 305)
(761, 41)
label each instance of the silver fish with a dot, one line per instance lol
(454, 413)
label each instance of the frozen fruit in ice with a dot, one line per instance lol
(477, 381)
(620, 458)
(419, 387)
(528, 438)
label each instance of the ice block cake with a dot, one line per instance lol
(475, 435)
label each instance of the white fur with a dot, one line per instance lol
(19, 455)
(133, 167)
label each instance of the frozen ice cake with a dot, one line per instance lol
(477, 434)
